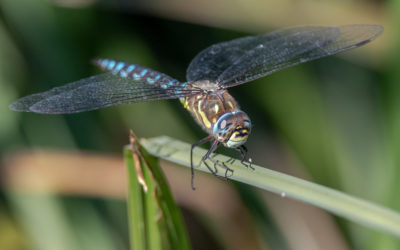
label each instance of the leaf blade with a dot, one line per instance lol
(339, 203)
(155, 221)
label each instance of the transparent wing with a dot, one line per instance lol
(245, 59)
(96, 92)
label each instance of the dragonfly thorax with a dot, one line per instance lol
(206, 85)
(232, 129)
(217, 112)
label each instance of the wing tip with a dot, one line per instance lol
(374, 30)
(18, 107)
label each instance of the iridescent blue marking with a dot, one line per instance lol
(143, 72)
(183, 84)
(153, 80)
(119, 66)
(136, 76)
(130, 68)
(104, 63)
(150, 80)
(164, 86)
(111, 65)
(178, 91)
(123, 73)
(171, 83)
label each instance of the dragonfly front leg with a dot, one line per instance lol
(243, 152)
(207, 156)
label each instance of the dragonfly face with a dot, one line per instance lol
(232, 129)
(209, 75)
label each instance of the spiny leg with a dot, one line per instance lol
(212, 156)
(243, 152)
(231, 160)
(202, 141)
(222, 164)
(216, 163)
(214, 146)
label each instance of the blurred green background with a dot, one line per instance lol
(335, 121)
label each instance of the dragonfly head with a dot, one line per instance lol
(232, 129)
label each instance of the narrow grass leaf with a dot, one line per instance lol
(135, 205)
(339, 203)
(160, 225)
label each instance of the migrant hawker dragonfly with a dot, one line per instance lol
(209, 75)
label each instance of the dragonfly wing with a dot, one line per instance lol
(213, 61)
(96, 92)
(245, 59)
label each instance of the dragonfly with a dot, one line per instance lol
(209, 75)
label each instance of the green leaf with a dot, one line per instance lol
(155, 221)
(336, 202)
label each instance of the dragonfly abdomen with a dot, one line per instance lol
(137, 72)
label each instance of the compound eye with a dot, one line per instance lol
(247, 123)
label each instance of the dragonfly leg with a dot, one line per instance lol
(245, 161)
(202, 141)
(212, 157)
(214, 172)
(207, 156)
(230, 160)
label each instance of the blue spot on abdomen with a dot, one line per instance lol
(111, 65)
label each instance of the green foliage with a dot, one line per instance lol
(155, 221)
